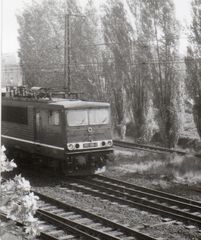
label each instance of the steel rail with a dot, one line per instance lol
(3, 217)
(46, 236)
(143, 194)
(91, 232)
(132, 186)
(195, 189)
(151, 148)
(125, 230)
(140, 203)
(64, 225)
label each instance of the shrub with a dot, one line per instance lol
(17, 201)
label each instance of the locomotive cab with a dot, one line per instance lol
(87, 135)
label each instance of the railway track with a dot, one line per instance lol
(157, 202)
(62, 221)
(50, 228)
(150, 148)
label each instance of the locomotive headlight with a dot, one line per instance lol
(109, 143)
(70, 146)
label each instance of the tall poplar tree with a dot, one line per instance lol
(117, 38)
(139, 87)
(166, 79)
(193, 63)
(162, 33)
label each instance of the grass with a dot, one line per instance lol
(190, 130)
(171, 167)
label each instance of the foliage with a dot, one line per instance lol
(88, 67)
(41, 37)
(166, 82)
(5, 165)
(17, 202)
(128, 86)
(139, 88)
(193, 61)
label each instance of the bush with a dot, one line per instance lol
(17, 201)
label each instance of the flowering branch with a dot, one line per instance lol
(17, 202)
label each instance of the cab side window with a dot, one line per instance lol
(53, 117)
(15, 114)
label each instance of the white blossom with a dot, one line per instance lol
(22, 183)
(18, 203)
(3, 149)
(30, 202)
(5, 165)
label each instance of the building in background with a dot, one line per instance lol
(11, 71)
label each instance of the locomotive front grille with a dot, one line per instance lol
(90, 145)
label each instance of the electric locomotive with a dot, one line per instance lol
(60, 132)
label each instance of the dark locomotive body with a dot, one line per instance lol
(71, 135)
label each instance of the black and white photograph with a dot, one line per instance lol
(100, 120)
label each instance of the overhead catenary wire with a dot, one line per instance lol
(154, 61)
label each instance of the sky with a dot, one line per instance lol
(9, 26)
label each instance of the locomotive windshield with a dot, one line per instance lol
(88, 117)
(77, 117)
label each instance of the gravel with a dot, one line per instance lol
(157, 176)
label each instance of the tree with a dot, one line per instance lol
(117, 38)
(139, 87)
(166, 81)
(41, 36)
(87, 55)
(193, 63)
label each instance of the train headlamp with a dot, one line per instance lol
(109, 143)
(90, 130)
(70, 146)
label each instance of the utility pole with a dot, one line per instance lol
(67, 47)
(67, 76)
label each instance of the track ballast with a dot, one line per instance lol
(157, 202)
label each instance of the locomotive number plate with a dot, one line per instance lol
(87, 145)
